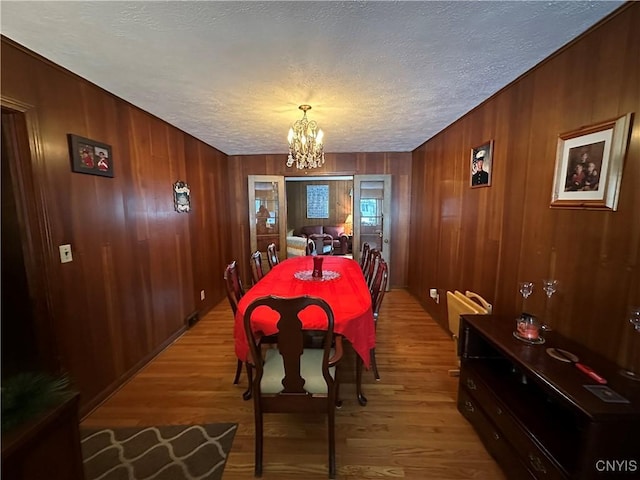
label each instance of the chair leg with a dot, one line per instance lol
(455, 372)
(248, 392)
(374, 364)
(238, 372)
(362, 400)
(258, 442)
(332, 441)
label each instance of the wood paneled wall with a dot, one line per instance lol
(138, 266)
(490, 239)
(397, 164)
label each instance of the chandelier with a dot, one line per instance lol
(305, 143)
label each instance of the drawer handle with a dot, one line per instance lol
(498, 410)
(471, 384)
(536, 463)
(469, 406)
(496, 435)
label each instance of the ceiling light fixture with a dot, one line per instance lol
(306, 149)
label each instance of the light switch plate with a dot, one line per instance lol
(65, 254)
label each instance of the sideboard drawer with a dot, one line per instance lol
(539, 464)
(491, 437)
(471, 381)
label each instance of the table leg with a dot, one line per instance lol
(361, 398)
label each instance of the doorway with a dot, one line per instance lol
(28, 342)
(321, 200)
(372, 219)
(289, 199)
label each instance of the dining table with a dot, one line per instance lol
(342, 285)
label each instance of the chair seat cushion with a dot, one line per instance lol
(310, 370)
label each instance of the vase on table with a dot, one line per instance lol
(317, 267)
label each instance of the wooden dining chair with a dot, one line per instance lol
(292, 378)
(256, 266)
(235, 292)
(378, 289)
(323, 243)
(371, 264)
(363, 255)
(272, 255)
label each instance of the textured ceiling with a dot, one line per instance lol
(380, 76)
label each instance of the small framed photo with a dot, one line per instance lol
(481, 165)
(181, 197)
(89, 156)
(589, 163)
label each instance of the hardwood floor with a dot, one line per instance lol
(410, 428)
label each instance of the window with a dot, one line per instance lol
(370, 210)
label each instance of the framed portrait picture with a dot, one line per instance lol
(481, 165)
(181, 197)
(589, 165)
(89, 156)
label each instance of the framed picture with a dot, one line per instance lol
(481, 165)
(589, 165)
(89, 156)
(181, 197)
(317, 201)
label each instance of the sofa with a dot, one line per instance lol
(337, 244)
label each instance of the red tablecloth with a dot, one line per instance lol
(348, 297)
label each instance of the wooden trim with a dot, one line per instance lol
(21, 132)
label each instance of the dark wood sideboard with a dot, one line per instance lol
(533, 412)
(46, 448)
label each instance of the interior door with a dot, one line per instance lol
(267, 215)
(372, 214)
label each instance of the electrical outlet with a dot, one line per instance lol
(65, 254)
(201, 294)
(433, 293)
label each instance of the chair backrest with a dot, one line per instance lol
(256, 266)
(323, 243)
(370, 266)
(291, 386)
(364, 254)
(310, 249)
(235, 291)
(272, 255)
(379, 285)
